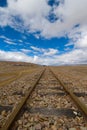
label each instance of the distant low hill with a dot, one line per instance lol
(11, 63)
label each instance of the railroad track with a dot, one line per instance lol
(74, 82)
(48, 105)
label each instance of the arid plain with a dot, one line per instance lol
(17, 78)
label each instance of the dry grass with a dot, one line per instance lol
(10, 71)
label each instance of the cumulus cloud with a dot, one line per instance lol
(14, 56)
(33, 15)
(82, 41)
(77, 56)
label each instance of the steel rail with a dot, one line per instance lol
(16, 111)
(78, 102)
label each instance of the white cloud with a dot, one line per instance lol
(82, 41)
(20, 40)
(68, 44)
(34, 13)
(50, 52)
(36, 58)
(9, 42)
(35, 48)
(77, 56)
(5, 38)
(25, 50)
(45, 52)
(14, 56)
(5, 18)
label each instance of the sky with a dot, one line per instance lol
(46, 32)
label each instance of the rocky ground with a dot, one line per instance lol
(75, 77)
(11, 94)
(50, 108)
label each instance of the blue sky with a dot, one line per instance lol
(50, 32)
